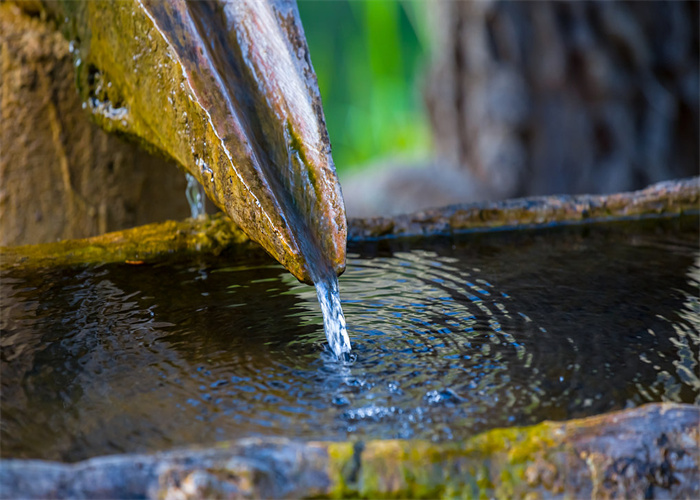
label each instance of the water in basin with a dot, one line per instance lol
(450, 337)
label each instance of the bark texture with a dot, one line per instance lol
(60, 175)
(540, 98)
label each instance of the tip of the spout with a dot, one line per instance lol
(311, 264)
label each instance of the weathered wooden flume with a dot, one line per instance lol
(227, 90)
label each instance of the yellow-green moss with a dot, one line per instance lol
(341, 462)
(205, 235)
(490, 464)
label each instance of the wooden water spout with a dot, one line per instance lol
(228, 91)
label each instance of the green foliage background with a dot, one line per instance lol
(369, 58)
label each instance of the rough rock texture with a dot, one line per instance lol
(538, 98)
(218, 233)
(648, 452)
(61, 176)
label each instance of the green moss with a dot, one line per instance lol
(490, 464)
(342, 469)
(145, 243)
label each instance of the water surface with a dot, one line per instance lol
(450, 337)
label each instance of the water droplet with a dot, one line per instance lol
(443, 397)
(340, 401)
(195, 196)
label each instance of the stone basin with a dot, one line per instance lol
(648, 450)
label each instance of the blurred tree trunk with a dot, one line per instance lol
(554, 97)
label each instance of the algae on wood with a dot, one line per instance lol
(228, 91)
(210, 235)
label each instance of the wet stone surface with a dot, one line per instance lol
(450, 336)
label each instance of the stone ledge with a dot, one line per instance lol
(217, 233)
(647, 452)
(662, 199)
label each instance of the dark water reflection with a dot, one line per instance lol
(451, 337)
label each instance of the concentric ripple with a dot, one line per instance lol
(450, 337)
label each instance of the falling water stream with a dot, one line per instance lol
(333, 318)
(325, 280)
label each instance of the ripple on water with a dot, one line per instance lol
(449, 337)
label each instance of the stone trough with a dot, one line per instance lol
(651, 451)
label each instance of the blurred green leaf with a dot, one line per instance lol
(368, 56)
